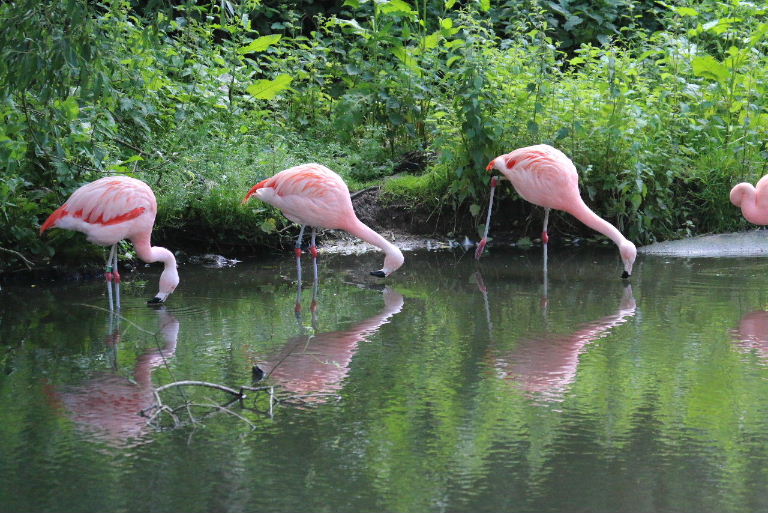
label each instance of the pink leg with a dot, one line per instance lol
(544, 234)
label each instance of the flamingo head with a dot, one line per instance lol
(392, 262)
(628, 253)
(169, 279)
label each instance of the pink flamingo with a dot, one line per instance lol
(312, 194)
(544, 176)
(109, 210)
(753, 201)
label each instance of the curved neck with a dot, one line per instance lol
(584, 214)
(150, 254)
(392, 253)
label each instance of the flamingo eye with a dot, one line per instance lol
(511, 163)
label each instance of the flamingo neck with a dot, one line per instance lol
(169, 278)
(584, 214)
(150, 254)
(393, 258)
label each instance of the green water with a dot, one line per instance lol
(458, 387)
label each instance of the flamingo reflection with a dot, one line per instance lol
(752, 334)
(319, 362)
(108, 405)
(546, 365)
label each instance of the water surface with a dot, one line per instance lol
(455, 387)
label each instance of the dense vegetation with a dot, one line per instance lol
(661, 106)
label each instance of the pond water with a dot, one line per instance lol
(456, 387)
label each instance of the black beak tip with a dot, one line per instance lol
(256, 373)
(155, 301)
(625, 275)
(378, 274)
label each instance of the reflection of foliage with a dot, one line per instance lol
(424, 416)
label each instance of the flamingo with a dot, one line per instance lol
(544, 176)
(109, 210)
(313, 195)
(753, 201)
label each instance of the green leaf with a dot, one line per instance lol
(404, 55)
(396, 7)
(260, 44)
(571, 22)
(449, 3)
(474, 209)
(686, 11)
(268, 89)
(709, 67)
(485, 5)
(268, 226)
(432, 40)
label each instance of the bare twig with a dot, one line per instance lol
(201, 384)
(225, 410)
(19, 256)
(363, 191)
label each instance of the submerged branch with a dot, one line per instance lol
(202, 384)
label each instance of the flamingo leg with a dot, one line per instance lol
(315, 287)
(545, 292)
(108, 276)
(116, 280)
(312, 245)
(297, 250)
(544, 234)
(481, 245)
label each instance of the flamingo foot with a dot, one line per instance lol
(480, 248)
(545, 237)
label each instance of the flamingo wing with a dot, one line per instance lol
(105, 202)
(309, 194)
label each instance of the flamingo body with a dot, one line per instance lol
(544, 176)
(753, 201)
(114, 208)
(313, 195)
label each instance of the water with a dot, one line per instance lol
(457, 387)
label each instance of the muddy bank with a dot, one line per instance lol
(742, 244)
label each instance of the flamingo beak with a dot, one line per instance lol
(378, 274)
(489, 167)
(155, 301)
(625, 275)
